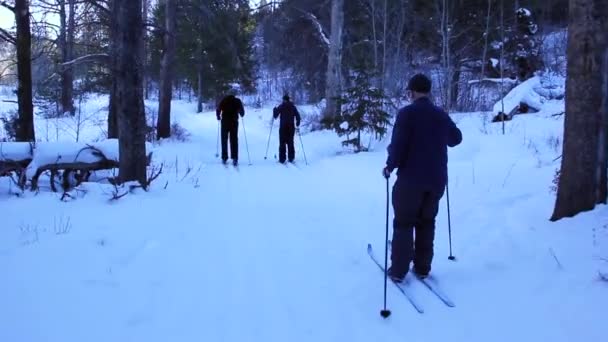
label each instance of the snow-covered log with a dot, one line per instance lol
(15, 157)
(524, 97)
(78, 158)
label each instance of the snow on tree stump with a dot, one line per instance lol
(14, 158)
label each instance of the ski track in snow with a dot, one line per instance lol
(274, 253)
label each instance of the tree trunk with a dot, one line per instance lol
(67, 25)
(603, 139)
(580, 177)
(166, 72)
(113, 112)
(63, 45)
(455, 86)
(25, 130)
(384, 43)
(112, 106)
(485, 42)
(146, 7)
(128, 72)
(446, 55)
(334, 59)
(199, 73)
(374, 34)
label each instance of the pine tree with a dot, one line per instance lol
(363, 109)
(582, 179)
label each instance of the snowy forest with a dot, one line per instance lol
(117, 100)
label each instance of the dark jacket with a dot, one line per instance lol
(418, 147)
(288, 113)
(230, 107)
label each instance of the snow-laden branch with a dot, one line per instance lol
(317, 24)
(98, 5)
(102, 58)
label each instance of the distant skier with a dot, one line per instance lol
(228, 112)
(288, 113)
(418, 149)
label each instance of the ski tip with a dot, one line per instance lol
(369, 247)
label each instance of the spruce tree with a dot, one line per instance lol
(363, 110)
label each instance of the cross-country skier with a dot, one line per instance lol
(289, 116)
(418, 150)
(228, 112)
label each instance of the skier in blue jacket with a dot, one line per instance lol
(418, 150)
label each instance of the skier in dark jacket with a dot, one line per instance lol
(288, 113)
(228, 112)
(418, 149)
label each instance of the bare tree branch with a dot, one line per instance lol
(5, 5)
(102, 58)
(6, 36)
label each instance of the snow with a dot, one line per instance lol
(506, 81)
(276, 253)
(494, 62)
(524, 12)
(522, 93)
(15, 151)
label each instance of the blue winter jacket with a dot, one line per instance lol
(418, 148)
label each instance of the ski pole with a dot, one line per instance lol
(246, 144)
(447, 189)
(217, 144)
(269, 135)
(385, 312)
(302, 143)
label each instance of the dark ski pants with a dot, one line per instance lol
(286, 135)
(415, 211)
(230, 129)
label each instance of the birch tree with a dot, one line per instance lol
(334, 59)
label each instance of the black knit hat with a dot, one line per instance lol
(419, 83)
(285, 97)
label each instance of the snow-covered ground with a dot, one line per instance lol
(275, 253)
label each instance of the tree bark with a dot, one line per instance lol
(113, 112)
(485, 41)
(66, 41)
(446, 55)
(146, 7)
(334, 59)
(25, 130)
(579, 186)
(455, 85)
(199, 53)
(128, 72)
(163, 125)
(113, 131)
(603, 139)
(374, 34)
(384, 43)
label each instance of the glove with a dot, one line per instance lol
(386, 173)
